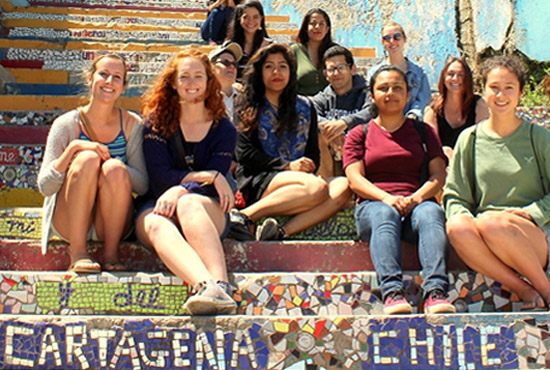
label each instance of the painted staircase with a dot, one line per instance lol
(308, 303)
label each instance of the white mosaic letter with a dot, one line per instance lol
(126, 347)
(9, 358)
(49, 345)
(247, 350)
(429, 343)
(486, 346)
(102, 336)
(180, 346)
(159, 356)
(74, 348)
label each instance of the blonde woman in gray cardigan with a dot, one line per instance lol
(93, 161)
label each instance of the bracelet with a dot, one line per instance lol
(210, 182)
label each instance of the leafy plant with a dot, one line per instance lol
(534, 93)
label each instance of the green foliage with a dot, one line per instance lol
(534, 92)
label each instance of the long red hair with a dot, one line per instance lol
(161, 103)
(468, 94)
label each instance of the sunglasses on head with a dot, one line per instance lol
(227, 63)
(396, 36)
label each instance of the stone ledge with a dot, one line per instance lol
(517, 341)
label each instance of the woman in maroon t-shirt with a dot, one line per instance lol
(384, 167)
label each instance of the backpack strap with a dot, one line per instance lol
(537, 159)
(424, 170)
(473, 137)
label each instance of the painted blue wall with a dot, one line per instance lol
(430, 25)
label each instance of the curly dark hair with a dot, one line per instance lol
(235, 31)
(250, 103)
(303, 37)
(511, 63)
(468, 93)
(161, 102)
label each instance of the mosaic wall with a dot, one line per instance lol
(296, 294)
(414, 342)
(19, 166)
(539, 115)
(20, 223)
(27, 118)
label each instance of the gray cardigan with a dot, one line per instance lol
(50, 181)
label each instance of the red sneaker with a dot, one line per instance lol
(437, 303)
(395, 303)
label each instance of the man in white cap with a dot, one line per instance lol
(225, 61)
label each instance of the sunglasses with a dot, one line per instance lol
(396, 36)
(227, 63)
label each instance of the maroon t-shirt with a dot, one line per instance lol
(393, 160)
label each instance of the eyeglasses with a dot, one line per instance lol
(341, 68)
(227, 63)
(396, 36)
(314, 24)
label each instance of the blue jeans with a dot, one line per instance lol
(384, 228)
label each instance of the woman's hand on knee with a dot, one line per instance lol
(303, 164)
(167, 202)
(227, 198)
(521, 213)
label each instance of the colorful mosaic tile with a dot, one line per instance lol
(297, 294)
(20, 223)
(539, 115)
(27, 118)
(233, 342)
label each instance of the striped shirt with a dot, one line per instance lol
(117, 147)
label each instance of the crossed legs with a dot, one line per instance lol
(310, 198)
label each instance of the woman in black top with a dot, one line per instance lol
(456, 107)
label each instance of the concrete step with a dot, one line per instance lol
(489, 341)
(258, 294)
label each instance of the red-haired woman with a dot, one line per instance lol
(188, 145)
(456, 107)
(92, 164)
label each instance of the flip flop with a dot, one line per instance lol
(85, 266)
(114, 266)
(534, 305)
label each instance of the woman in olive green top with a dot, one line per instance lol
(497, 197)
(314, 39)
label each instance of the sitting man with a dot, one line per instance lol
(342, 105)
(225, 61)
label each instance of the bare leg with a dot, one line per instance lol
(202, 222)
(339, 196)
(114, 201)
(466, 239)
(289, 193)
(75, 201)
(326, 167)
(183, 258)
(520, 244)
